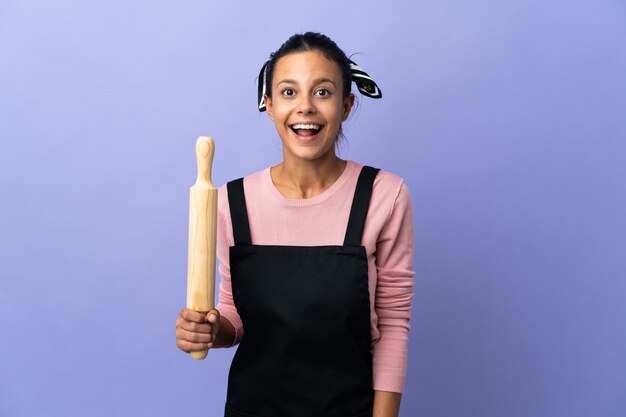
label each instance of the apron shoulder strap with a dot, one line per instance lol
(238, 212)
(360, 204)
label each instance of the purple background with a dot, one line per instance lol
(507, 120)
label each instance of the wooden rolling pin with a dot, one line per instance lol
(202, 234)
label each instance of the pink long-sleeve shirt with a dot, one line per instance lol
(322, 220)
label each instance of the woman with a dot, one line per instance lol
(315, 258)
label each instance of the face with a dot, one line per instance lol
(307, 105)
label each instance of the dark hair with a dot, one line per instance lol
(311, 41)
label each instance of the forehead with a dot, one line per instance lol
(306, 65)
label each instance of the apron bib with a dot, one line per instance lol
(306, 348)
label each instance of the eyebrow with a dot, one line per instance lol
(317, 81)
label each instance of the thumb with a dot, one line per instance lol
(213, 317)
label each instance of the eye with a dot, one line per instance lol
(322, 92)
(288, 92)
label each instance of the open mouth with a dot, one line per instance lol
(306, 130)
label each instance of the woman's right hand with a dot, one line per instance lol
(196, 331)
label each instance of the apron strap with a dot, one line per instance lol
(360, 204)
(238, 212)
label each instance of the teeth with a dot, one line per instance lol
(303, 126)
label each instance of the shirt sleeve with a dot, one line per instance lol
(226, 305)
(394, 294)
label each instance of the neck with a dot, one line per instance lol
(298, 179)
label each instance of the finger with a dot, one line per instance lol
(193, 337)
(213, 316)
(195, 316)
(192, 347)
(194, 327)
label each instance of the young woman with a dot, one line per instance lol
(315, 256)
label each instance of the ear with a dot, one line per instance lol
(347, 107)
(268, 106)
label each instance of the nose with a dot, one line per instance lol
(306, 105)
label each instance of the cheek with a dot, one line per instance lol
(279, 111)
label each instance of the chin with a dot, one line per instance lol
(312, 156)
